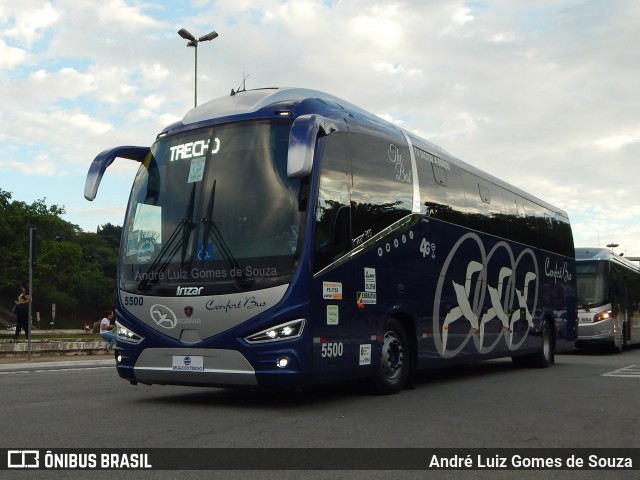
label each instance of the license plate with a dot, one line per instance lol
(188, 363)
(586, 320)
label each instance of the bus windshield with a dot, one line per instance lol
(213, 207)
(591, 279)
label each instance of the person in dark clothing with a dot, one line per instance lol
(22, 311)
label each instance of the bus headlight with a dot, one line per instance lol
(606, 315)
(126, 335)
(284, 331)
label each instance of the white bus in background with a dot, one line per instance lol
(608, 299)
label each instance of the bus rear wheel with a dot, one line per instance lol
(545, 356)
(395, 360)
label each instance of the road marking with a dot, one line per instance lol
(632, 371)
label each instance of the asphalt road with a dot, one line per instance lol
(585, 400)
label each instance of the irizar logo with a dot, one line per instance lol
(188, 291)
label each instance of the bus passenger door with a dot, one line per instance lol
(332, 285)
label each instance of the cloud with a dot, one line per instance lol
(379, 26)
(40, 165)
(617, 141)
(125, 17)
(462, 16)
(28, 25)
(65, 83)
(11, 56)
(541, 94)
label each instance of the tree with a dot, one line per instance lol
(75, 270)
(110, 234)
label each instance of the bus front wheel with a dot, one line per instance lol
(395, 360)
(619, 338)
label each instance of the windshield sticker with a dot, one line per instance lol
(145, 251)
(196, 170)
(332, 290)
(205, 252)
(333, 316)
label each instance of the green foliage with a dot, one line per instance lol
(75, 270)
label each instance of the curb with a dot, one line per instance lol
(67, 364)
(52, 347)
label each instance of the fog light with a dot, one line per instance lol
(119, 358)
(282, 362)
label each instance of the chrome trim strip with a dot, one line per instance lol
(416, 186)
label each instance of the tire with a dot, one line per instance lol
(619, 339)
(395, 360)
(545, 357)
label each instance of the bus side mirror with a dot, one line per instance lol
(106, 158)
(302, 143)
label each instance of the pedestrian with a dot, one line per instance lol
(22, 311)
(106, 329)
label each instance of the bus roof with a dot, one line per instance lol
(289, 99)
(604, 254)
(270, 102)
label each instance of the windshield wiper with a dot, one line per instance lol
(211, 231)
(169, 249)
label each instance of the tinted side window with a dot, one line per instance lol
(382, 190)
(332, 227)
(441, 193)
(485, 206)
(563, 237)
(517, 226)
(534, 223)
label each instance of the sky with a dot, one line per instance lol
(543, 94)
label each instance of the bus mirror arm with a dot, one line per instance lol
(302, 143)
(106, 158)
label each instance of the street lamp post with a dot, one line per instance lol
(193, 42)
(612, 246)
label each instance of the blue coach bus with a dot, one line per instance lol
(284, 237)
